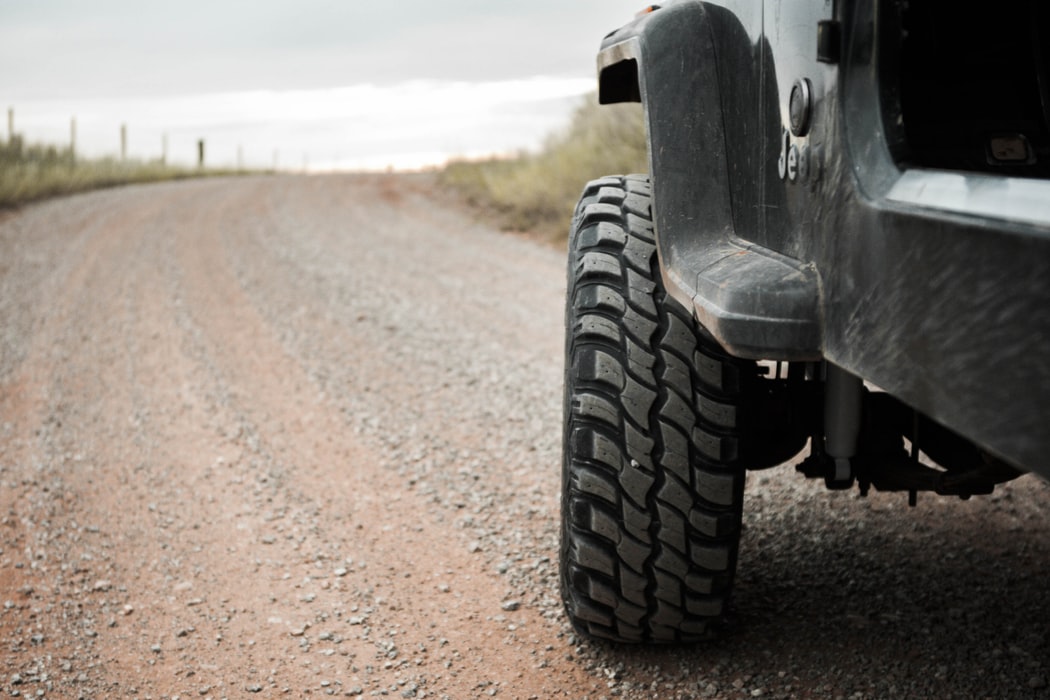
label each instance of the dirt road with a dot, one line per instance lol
(293, 436)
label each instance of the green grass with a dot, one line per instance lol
(31, 172)
(537, 192)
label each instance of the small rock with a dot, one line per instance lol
(254, 688)
(511, 605)
(1037, 682)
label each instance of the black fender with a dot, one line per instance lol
(757, 303)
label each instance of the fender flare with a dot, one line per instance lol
(756, 302)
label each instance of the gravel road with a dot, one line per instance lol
(290, 436)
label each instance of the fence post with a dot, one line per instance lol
(73, 140)
(123, 141)
(200, 153)
(164, 149)
(10, 124)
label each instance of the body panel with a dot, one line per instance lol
(933, 285)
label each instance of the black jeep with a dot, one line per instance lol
(841, 257)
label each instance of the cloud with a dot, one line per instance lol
(62, 48)
(410, 124)
(349, 82)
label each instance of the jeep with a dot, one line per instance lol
(840, 258)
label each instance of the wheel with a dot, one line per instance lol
(652, 481)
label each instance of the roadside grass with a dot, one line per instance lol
(537, 192)
(32, 172)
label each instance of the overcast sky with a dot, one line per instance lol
(306, 60)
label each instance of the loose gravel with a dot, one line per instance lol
(293, 436)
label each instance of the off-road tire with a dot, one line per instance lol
(652, 481)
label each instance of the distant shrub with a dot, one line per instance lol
(537, 192)
(31, 172)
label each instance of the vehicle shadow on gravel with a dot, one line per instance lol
(842, 597)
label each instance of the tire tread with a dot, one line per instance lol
(652, 484)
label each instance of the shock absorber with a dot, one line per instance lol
(843, 401)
